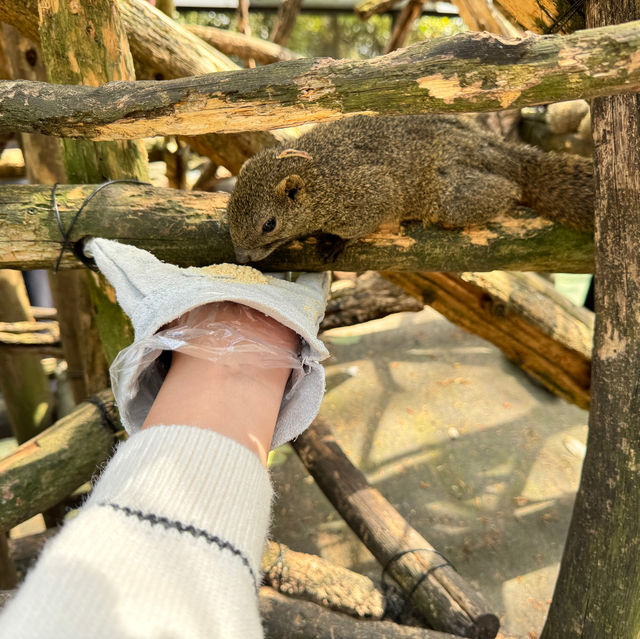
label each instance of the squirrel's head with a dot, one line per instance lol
(265, 208)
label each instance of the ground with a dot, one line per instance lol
(477, 457)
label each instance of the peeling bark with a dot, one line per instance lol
(467, 72)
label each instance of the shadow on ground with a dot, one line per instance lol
(482, 461)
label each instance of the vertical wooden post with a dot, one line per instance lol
(84, 43)
(598, 590)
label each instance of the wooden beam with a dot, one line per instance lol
(446, 601)
(467, 72)
(190, 229)
(522, 314)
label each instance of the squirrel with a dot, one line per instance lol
(348, 177)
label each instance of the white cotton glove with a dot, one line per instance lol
(153, 294)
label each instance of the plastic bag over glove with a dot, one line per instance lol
(153, 294)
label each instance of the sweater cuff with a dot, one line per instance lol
(191, 478)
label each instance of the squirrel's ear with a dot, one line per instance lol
(290, 186)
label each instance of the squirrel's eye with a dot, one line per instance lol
(292, 194)
(269, 225)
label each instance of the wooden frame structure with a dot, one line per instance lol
(472, 72)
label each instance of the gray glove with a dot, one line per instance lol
(153, 294)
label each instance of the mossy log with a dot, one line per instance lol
(463, 73)
(523, 315)
(242, 46)
(446, 601)
(289, 618)
(49, 467)
(190, 229)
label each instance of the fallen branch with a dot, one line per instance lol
(288, 618)
(466, 72)
(190, 229)
(533, 325)
(242, 46)
(438, 592)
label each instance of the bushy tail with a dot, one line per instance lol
(560, 187)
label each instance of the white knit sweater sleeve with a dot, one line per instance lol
(167, 546)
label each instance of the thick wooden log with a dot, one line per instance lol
(466, 72)
(442, 596)
(598, 587)
(46, 469)
(95, 327)
(190, 229)
(242, 46)
(288, 618)
(523, 315)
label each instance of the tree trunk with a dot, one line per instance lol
(101, 57)
(467, 72)
(190, 229)
(597, 593)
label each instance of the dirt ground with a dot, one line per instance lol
(480, 459)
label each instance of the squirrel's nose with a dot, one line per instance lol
(242, 257)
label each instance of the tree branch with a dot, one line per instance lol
(190, 229)
(467, 72)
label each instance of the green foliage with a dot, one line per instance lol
(332, 35)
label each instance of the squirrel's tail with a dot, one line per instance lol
(560, 187)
